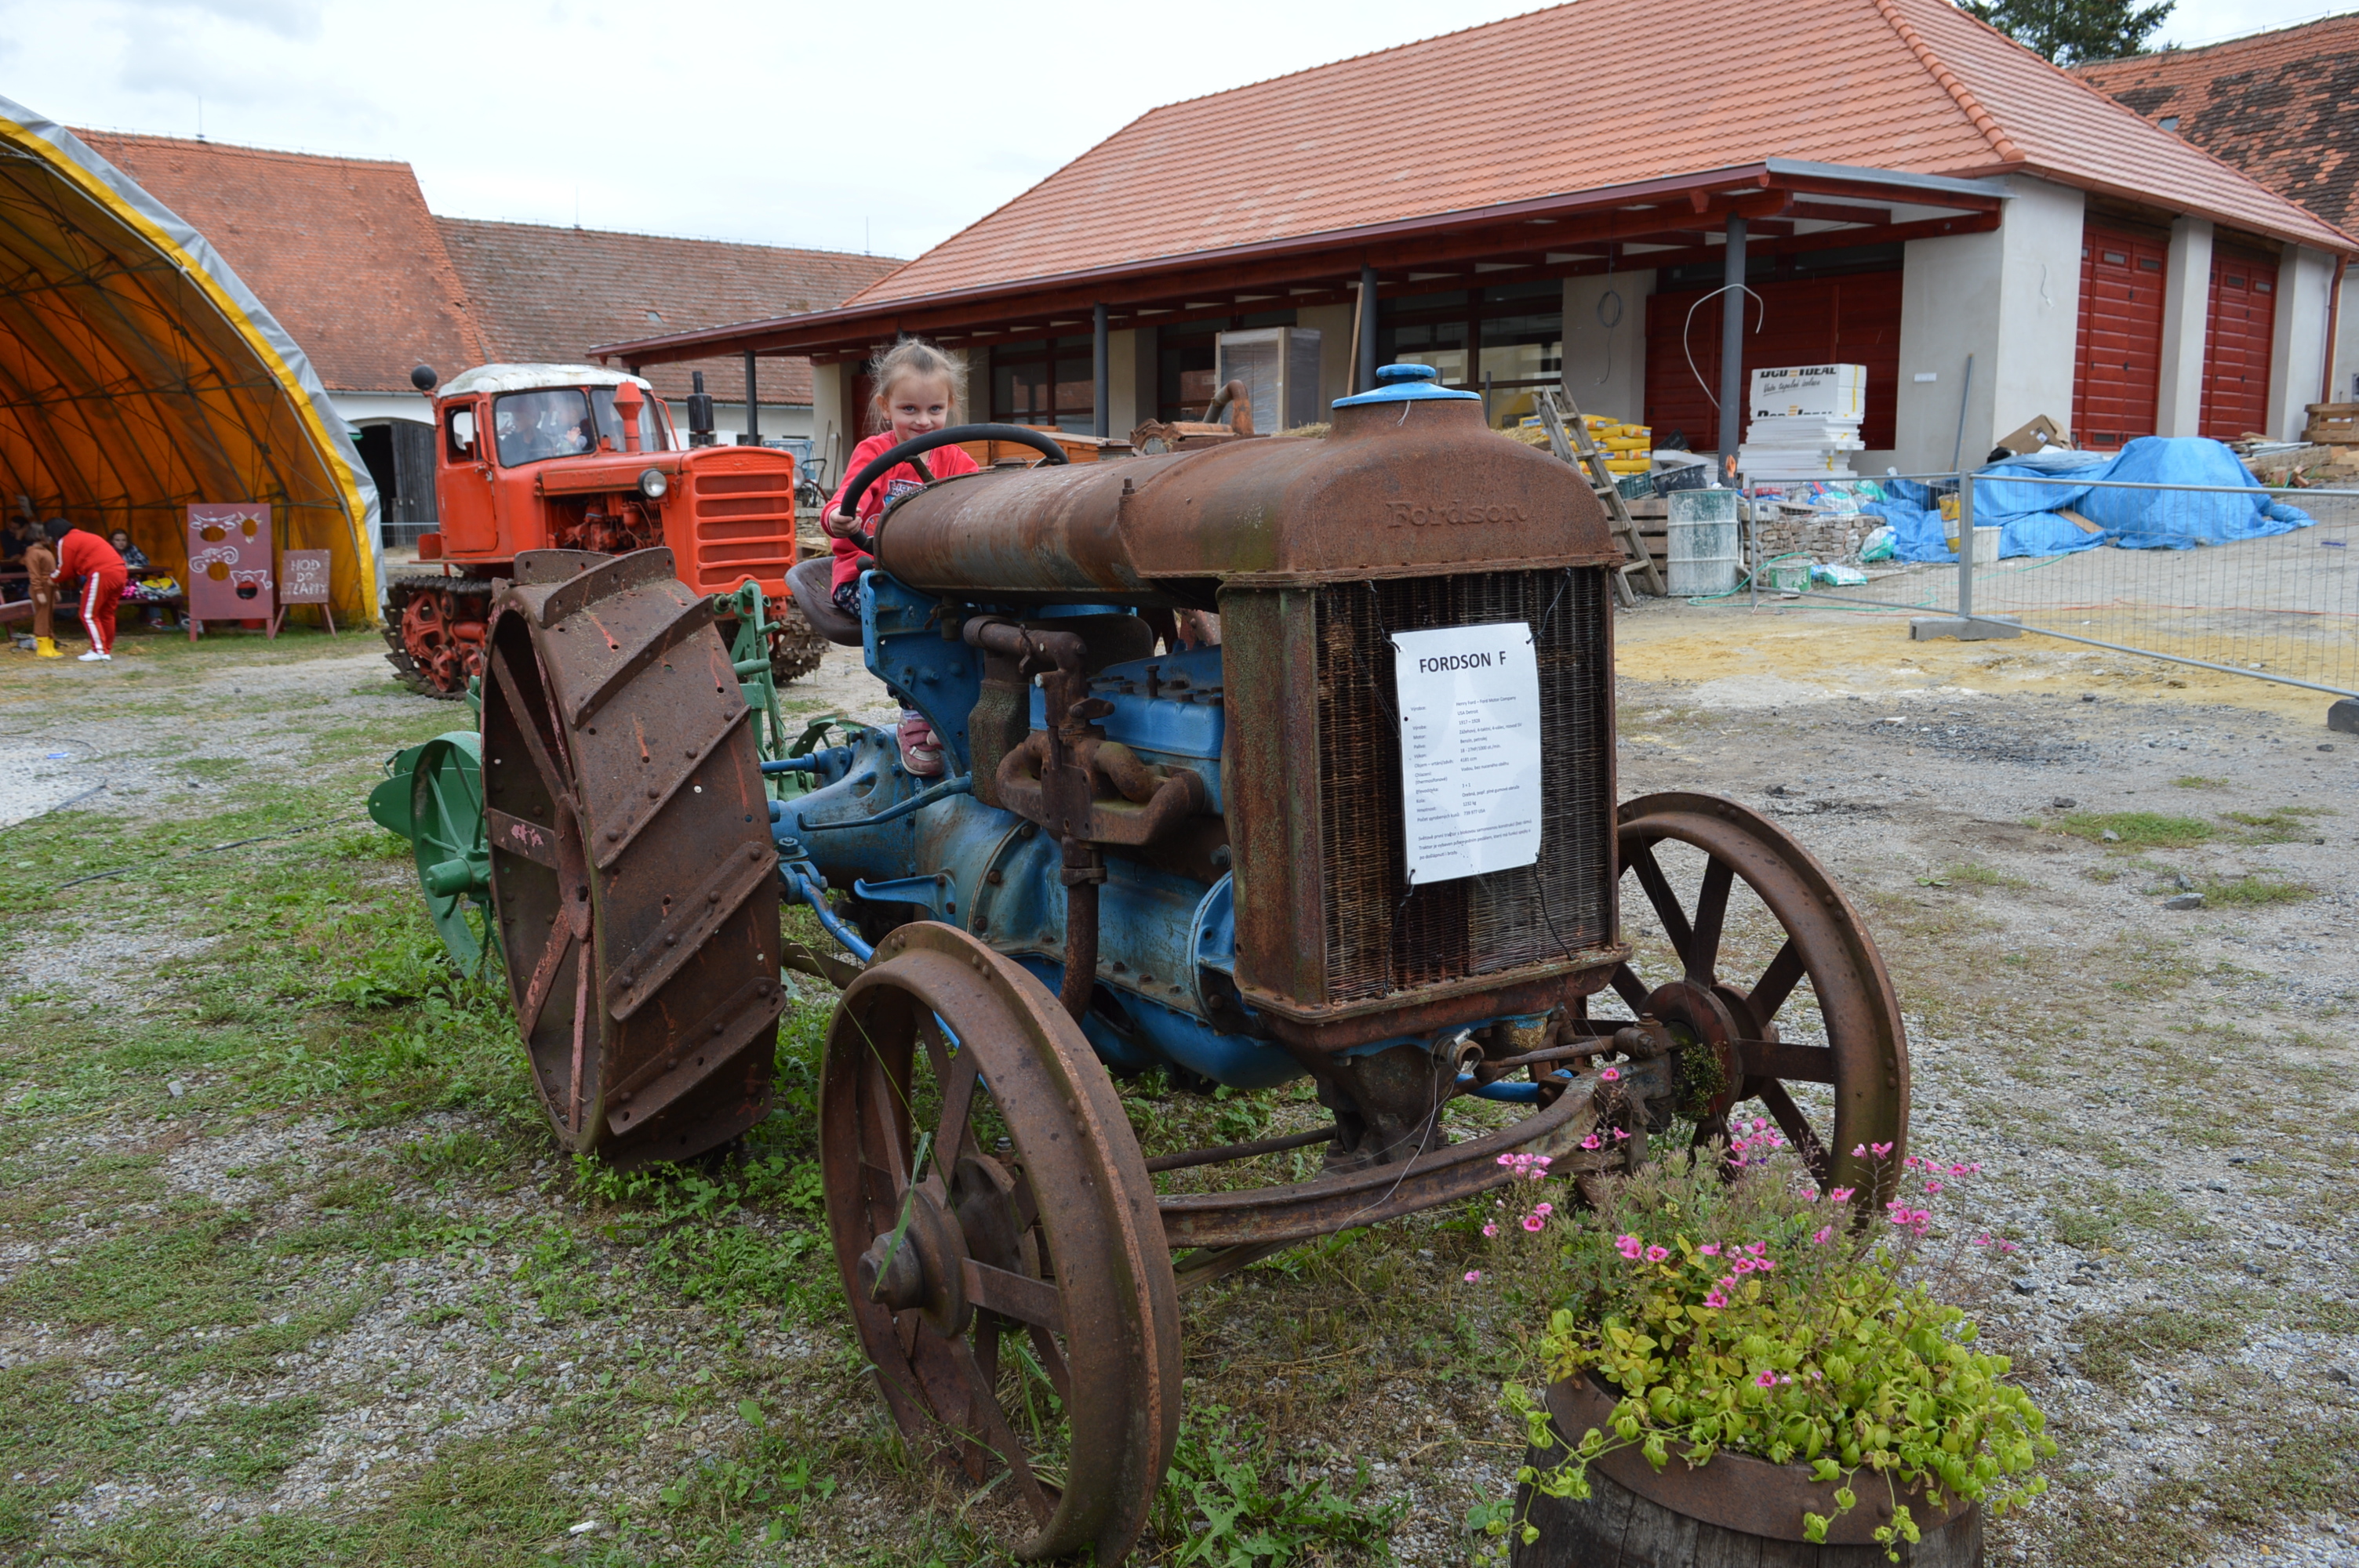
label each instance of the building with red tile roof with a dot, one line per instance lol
(2276, 105)
(350, 260)
(1550, 199)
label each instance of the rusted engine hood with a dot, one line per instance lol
(1401, 489)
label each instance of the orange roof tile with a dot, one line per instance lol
(1596, 94)
(342, 249)
(2278, 105)
(548, 293)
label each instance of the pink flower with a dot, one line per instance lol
(1510, 1158)
(2007, 1246)
(1474, 1276)
(1759, 1125)
(1629, 1246)
(1491, 1229)
(1544, 1208)
(1881, 1151)
(1982, 1240)
(1713, 1298)
(1657, 1254)
(1534, 1223)
(1746, 1265)
(1591, 1142)
(1610, 1075)
(1712, 1250)
(1843, 1194)
(1765, 1264)
(1621, 1136)
(1766, 1379)
(1859, 1152)
(1933, 1186)
(1823, 1233)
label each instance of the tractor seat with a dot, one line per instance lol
(813, 585)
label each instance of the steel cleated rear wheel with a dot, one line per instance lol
(997, 1235)
(631, 870)
(1766, 946)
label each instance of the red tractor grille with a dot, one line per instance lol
(741, 524)
(1383, 937)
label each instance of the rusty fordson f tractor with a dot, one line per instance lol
(1371, 838)
(532, 457)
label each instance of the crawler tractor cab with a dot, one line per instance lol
(537, 457)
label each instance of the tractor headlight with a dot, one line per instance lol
(653, 484)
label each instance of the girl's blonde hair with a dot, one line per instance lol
(911, 357)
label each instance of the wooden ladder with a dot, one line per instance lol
(1567, 434)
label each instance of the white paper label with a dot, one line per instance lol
(1469, 717)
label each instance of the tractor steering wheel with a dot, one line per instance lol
(909, 450)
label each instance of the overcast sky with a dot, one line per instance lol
(882, 127)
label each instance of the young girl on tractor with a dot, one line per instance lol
(918, 388)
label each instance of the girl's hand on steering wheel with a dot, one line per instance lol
(839, 526)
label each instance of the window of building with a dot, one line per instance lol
(1183, 360)
(1502, 342)
(1045, 382)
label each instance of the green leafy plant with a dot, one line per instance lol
(1729, 1306)
(1229, 1504)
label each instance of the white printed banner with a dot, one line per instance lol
(1470, 718)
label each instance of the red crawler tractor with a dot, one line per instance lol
(575, 458)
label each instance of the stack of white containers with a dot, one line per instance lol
(1804, 422)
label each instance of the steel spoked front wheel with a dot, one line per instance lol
(1762, 939)
(446, 815)
(996, 1232)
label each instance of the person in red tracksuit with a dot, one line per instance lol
(917, 393)
(84, 555)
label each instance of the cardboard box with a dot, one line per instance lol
(2038, 435)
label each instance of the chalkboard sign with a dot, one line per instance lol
(229, 565)
(303, 577)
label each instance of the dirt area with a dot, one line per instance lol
(290, 1273)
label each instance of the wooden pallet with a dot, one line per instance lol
(1567, 434)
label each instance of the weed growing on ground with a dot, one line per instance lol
(2255, 887)
(2137, 829)
(2114, 1341)
(1228, 1501)
(2197, 780)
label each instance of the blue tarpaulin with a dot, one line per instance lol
(2028, 515)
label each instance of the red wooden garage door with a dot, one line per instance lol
(2236, 338)
(2119, 369)
(1849, 319)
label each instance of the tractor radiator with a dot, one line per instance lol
(1382, 937)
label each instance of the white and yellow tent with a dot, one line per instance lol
(138, 375)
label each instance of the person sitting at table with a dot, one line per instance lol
(135, 559)
(16, 537)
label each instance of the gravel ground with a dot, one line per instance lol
(2163, 1096)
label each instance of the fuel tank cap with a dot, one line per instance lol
(1406, 383)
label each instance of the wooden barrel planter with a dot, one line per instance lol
(1733, 1510)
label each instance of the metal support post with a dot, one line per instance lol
(1965, 627)
(1368, 367)
(753, 405)
(1967, 547)
(1732, 346)
(1102, 368)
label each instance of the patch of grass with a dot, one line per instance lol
(2137, 829)
(2197, 780)
(1228, 1501)
(2114, 1342)
(252, 1444)
(2279, 825)
(2255, 887)
(1973, 875)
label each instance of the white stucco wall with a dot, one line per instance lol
(1122, 383)
(832, 442)
(2186, 315)
(2298, 354)
(1333, 325)
(729, 419)
(370, 407)
(1605, 367)
(2346, 342)
(2011, 298)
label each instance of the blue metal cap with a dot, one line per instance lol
(1406, 383)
